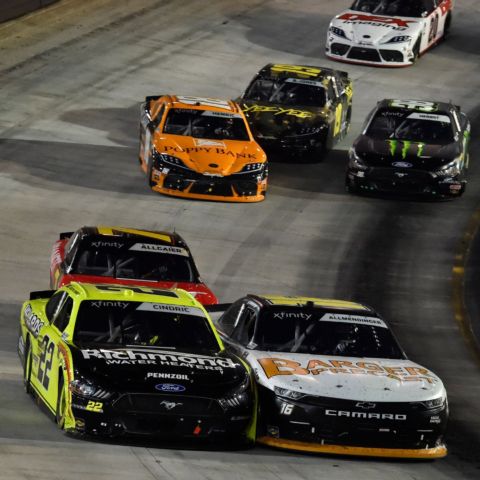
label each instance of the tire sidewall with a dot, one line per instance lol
(61, 408)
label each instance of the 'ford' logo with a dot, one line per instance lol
(402, 164)
(170, 387)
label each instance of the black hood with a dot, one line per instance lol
(279, 121)
(404, 153)
(149, 370)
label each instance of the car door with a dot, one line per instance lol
(47, 358)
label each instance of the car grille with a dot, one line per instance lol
(360, 53)
(392, 55)
(339, 48)
(414, 181)
(166, 405)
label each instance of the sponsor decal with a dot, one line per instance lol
(210, 150)
(277, 110)
(205, 142)
(377, 416)
(91, 406)
(429, 116)
(152, 247)
(158, 357)
(376, 20)
(435, 419)
(304, 81)
(402, 164)
(302, 315)
(160, 307)
(168, 376)
(102, 243)
(406, 144)
(109, 303)
(282, 366)
(32, 321)
(170, 387)
(365, 405)
(210, 102)
(209, 113)
(360, 319)
(400, 174)
(170, 405)
(421, 105)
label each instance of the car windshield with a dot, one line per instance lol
(141, 261)
(320, 332)
(206, 124)
(401, 8)
(120, 323)
(417, 127)
(291, 91)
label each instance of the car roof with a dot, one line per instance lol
(277, 300)
(309, 72)
(106, 292)
(437, 107)
(203, 103)
(132, 234)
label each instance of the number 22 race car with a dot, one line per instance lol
(332, 378)
(114, 360)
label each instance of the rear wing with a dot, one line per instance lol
(41, 294)
(217, 310)
(65, 235)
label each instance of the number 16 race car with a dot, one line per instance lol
(114, 360)
(389, 33)
(332, 378)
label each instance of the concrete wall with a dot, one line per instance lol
(15, 8)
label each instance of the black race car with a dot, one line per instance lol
(411, 147)
(298, 109)
(113, 360)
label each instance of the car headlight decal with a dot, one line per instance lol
(355, 161)
(237, 397)
(86, 388)
(286, 393)
(339, 32)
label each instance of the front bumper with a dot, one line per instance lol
(162, 416)
(343, 50)
(411, 182)
(188, 184)
(330, 425)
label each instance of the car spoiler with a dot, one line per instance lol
(218, 307)
(65, 235)
(41, 294)
(152, 97)
(343, 74)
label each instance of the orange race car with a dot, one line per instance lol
(200, 148)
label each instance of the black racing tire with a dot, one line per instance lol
(61, 409)
(150, 182)
(348, 119)
(416, 49)
(446, 28)
(27, 368)
(351, 188)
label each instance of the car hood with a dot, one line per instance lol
(369, 29)
(269, 120)
(362, 379)
(404, 153)
(150, 370)
(210, 157)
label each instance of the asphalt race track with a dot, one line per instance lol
(71, 80)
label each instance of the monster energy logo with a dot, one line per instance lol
(393, 144)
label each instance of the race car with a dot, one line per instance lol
(332, 378)
(388, 33)
(298, 109)
(113, 360)
(411, 147)
(126, 256)
(200, 148)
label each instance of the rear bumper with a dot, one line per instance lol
(425, 453)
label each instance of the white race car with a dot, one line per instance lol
(332, 378)
(390, 33)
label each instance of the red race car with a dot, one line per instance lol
(126, 256)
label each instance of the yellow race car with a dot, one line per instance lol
(200, 148)
(112, 360)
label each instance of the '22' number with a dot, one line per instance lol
(45, 362)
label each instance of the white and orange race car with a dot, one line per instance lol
(388, 33)
(200, 148)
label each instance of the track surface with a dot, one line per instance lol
(71, 79)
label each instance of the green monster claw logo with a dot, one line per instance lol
(405, 146)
